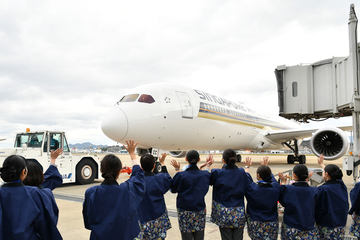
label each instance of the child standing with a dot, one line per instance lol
(191, 186)
(110, 210)
(355, 210)
(262, 198)
(152, 210)
(332, 203)
(229, 186)
(299, 200)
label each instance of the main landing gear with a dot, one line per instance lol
(293, 145)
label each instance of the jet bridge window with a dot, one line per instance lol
(144, 98)
(129, 98)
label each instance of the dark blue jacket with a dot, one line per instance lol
(52, 178)
(191, 186)
(153, 203)
(262, 198)
(27, 213)
(299, 201)
(229, 186)
(332, 204)
(110, 209)
(355, 199)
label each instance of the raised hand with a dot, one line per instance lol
(248, 161)
(175, 164)
(130, 147)
(55, 154)
(265, 161)
(321, 161)
(162, 158)
(283, 177)
(209, 160)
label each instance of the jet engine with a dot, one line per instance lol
(178, 154)
(331, 142)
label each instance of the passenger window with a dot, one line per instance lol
(294, 89)
(55, 140)
(65, 145)
(146, 98)
(129, 98)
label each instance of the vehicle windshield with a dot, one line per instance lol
(145, 98)
(129, 98)
(33, 140)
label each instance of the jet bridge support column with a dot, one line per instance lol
(353, 57)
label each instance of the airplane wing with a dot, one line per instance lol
(281, 136)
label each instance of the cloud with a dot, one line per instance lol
(64, 63)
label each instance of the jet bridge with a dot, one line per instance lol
(328, 88)
(319, 90)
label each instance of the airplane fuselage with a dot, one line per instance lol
(171, 117)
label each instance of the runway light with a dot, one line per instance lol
(27, 130)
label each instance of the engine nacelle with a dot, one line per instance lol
(178, 154)
(331, 142)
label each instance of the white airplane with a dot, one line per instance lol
(176, 119)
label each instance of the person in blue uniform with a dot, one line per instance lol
(332, 204)
(355, 210)
(46, 183)
(48, 180)
(229, 187)
(26, 214)
(154, 218)
(262, 198)
(110, 210)
(298, 200)
(191, 186)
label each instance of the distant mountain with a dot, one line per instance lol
(87, 145)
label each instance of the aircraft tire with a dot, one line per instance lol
(290, 159)
(238, 158)
(85, 171)
(157, 167)
(302, 159)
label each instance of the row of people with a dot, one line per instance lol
(113, 211)
(310, 213)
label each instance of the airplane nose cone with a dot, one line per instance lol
(115, 125)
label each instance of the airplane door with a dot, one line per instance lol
(185, 102)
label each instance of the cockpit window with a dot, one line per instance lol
(129, 98)
(146, 98)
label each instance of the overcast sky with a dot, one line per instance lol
(63, 64)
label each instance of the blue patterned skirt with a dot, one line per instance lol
(289, 233)
(355, 227)
(191, 221)
(232, 217)
(156, 228)
(258, 230)
(337, 233)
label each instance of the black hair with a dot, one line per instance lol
(147, 162)
(12, 168)
(35, 175)
(110, 167)
(265, 173)
(334, 172)
(301, 171)
(229, 157)
(192, 156)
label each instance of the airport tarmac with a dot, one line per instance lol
(70, 197)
